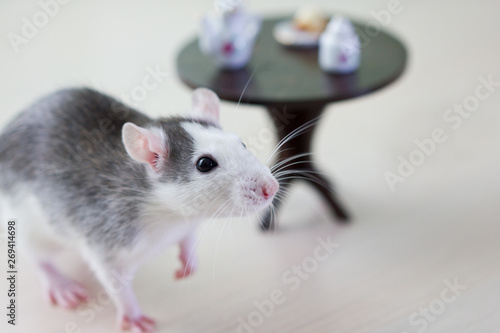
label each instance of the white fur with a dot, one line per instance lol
(238, 177)
(35, 234)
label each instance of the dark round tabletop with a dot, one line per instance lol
(281, 75)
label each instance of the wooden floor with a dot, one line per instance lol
(422, 258)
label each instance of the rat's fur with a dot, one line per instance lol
(65, 174)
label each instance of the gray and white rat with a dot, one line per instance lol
(80, 168)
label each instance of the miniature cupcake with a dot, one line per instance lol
(310, 18)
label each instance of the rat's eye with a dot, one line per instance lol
(205, 164)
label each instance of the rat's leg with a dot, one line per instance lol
(188, 256)
(58, 288)
(37, 239)
(117, 281)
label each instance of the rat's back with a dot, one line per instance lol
(66, 150)
(65, 132)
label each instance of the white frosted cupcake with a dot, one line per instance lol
(310, 18)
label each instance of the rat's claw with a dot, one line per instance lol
(188, 266)
(186, 270)
(66, 293)
(141, 324)
(61, 290)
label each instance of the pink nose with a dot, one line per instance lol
(270, 189)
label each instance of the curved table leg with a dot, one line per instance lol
(286, 121)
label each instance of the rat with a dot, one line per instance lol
(79, 168)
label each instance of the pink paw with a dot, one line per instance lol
(141, 324)
(184, 272)
(188, 267)
(67, 293)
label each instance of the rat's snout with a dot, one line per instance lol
(259, 191)
(270, 188)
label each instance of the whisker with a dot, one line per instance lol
(299, 130)
(246, 86)
(277, 153)
(296, 132)
(283, 167)
(218, 243)
(289, 159)
(301, 171)
(309, 178)
(201, 234)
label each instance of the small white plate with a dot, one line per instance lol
(287, 34)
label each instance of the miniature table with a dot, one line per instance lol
(293, 89)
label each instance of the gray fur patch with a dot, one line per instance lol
(181, 146)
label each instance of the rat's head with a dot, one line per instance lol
(198, 169)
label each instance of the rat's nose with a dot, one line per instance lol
(270, 189)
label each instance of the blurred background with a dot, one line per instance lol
(422, 256)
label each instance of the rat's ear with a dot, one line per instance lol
(206, 105)
(145, 145)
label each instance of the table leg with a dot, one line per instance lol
(287, 120)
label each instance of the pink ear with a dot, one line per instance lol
(145, 145)
(206, 105)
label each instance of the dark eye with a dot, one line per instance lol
(205, 164)
(244, 145)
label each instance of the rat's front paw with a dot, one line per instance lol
(140, 324)
(184, 272)
(188, 268)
